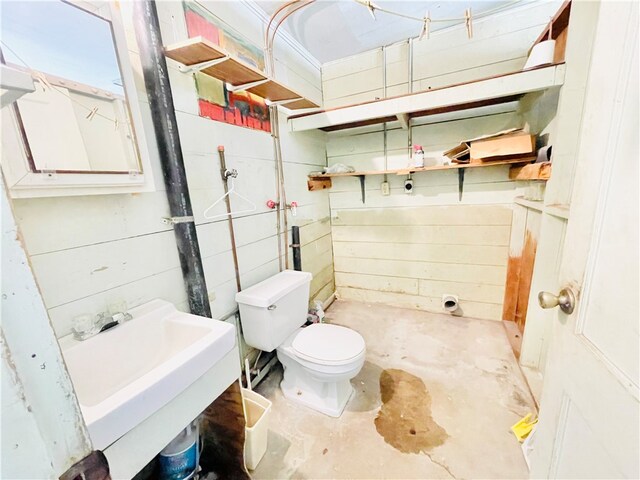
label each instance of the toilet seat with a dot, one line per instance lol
(325, 344)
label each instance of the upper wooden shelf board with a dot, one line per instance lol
(194, 51)
(407, 171)
(274, 92)
(200, 54)
(463, 96)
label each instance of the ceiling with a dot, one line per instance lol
(332, 29)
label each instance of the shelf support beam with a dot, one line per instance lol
(201, 66)
(245, 86)
(404, 120)
(284, 102)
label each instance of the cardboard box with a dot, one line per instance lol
(505, 145)
(502, 147)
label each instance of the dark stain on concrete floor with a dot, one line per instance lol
(405, 420)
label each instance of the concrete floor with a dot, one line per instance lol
(473, 392)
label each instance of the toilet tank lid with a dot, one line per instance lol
(272, 289)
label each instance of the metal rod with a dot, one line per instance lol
(227, 201)
(384, 95)
(282, 195)
(410, 90)
(273, 110)
(410, 65)
(165, 125)
(295, 245)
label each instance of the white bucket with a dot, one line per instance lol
(256, 410)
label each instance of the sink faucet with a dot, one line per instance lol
(110, 320)
(88, 326)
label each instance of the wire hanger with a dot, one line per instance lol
(229, 175)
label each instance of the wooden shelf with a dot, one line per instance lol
(193, 51)
(274, 91)
(407, 171)
(494, 90)
(301, 104)
(234, 72)
(199, 54)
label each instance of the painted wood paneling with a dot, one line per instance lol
(447, 215)
(409, 286)
(469, 309)
(418, 254)
(365, 151)
(500, 44)
(90, 251)
(465, 254)
(488, 274)
(451, 235)
(409, 250)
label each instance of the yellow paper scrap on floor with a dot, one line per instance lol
(523, 427)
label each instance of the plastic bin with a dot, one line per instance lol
(256, 409)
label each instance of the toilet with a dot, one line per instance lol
(319, 360)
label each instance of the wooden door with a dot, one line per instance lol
(589, 416)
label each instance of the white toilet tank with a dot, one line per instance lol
(273, 309)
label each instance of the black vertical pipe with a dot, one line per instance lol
(165, 125)
(295, 244)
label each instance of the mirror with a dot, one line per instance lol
(78, 120)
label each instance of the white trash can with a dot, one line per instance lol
(256, 409)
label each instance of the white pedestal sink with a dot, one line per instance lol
(126, 374)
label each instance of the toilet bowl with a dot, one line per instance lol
(319, 360)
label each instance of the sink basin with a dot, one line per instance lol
(125, 374)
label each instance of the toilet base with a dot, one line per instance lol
(298, 386)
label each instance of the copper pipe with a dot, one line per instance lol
(277, 26)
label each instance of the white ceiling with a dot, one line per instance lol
(332, 29)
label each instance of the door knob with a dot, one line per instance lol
(566, 300)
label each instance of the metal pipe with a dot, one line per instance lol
(227, 201)
(410, 64)
(275, 133)
(165, 125)
(295, 245)
(281, 195)
(273, 113)
(384, 95)
(272, 38)
(410, 90)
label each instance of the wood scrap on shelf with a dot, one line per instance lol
(314, 184)
(534, 171)
(505, 145)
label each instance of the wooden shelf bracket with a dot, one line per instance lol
(246, 86)
(284, 102)
(201, 66)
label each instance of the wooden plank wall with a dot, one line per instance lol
(409, 250)
(522, 251)
(93, 250)
(500, 44)
(411, 256)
